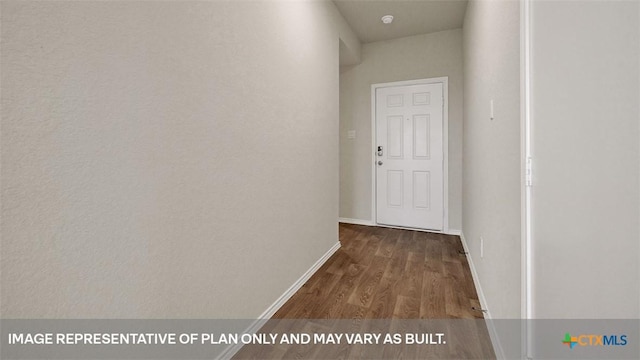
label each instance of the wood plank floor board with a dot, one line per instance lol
(407, 307)
(418, 243)
(338, 263)
(433, 299)
(322, 286)
(331, 306)
(412, 276)
(363, 294)
(366, 254)
(433, 255)
(386, 246)
(384, 300)
(397, 264)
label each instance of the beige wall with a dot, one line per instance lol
(491, 186)
(585, 118)
(415, 57)
(165, 159)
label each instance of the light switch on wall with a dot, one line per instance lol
(351, 134)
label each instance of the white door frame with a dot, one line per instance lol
(445, 143)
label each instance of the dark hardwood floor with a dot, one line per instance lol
(383, 273)
(384, 281)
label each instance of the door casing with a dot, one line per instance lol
(445, 143)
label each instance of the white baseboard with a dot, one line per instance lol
(271, 310)
(495, 341)
(356, 221)
(371, 223)
(454, 232)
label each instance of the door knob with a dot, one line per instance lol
(379, 162)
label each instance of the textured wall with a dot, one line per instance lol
(165, 159)
(415, 57)
(586, 133)
(491, 186)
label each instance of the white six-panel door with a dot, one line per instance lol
(409, 166)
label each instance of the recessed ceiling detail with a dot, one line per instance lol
(418, 17)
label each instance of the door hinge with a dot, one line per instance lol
(528, 175)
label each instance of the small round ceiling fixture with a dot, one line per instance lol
(387, 19)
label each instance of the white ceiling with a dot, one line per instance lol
(411, 17)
